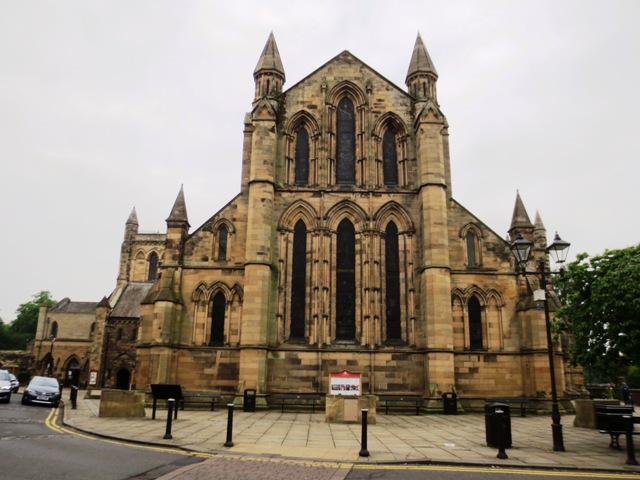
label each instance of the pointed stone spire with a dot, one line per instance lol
(269, 74)
(421, 76)
(539, 233)
(520, 221)
(133, 218)
(179, 210)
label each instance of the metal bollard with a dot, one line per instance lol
(73, 396)
(502, 426)
(628, 430)
(363, 451)
(229, 442)
(170, 404)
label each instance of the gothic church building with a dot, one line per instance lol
(344, 250)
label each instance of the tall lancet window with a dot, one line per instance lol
(389, 158)
(153, 267)
(345, 142)
(471, 249)
(346, 282)
(475, 324)
(302, 157)
(298, 280)
(223, 234)
(217, 319)
(392, 277)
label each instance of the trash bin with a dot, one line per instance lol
(492, 419)
(249, 401)
(450, 403)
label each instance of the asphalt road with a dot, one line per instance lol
(32, 446)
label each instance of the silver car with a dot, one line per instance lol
(5, 386)
(15, 384)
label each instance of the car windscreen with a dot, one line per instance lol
(45, 382)
(4, 375)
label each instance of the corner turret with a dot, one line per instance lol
(269, 73)
(422, 76)
(177, 230)
(520, 222)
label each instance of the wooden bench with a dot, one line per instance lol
(522, 401)
(610, 420)
(401, 401)
(299, 399)
(165, 391)
(199, 398)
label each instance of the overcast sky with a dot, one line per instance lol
(110, 105)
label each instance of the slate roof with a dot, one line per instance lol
(128, 305)
(67, 306)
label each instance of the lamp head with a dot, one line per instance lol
(521, 250)
(559, 249)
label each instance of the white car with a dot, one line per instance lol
(5, 386)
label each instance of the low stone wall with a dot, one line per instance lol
(121, 403)
(347, 408)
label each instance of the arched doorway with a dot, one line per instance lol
(72, 373)
(122, 379)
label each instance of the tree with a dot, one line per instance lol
(601, 297)
(23, 328)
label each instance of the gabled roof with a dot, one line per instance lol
(347, 54)
(128, 305)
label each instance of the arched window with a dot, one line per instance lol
(223, 234)
(389, 157)
(217, 319)
(119, 334)
(153, 267)
(54, 330)
(134, 334)
(345, 142)
(92, 330)
(471, 249)
(475, 324)
(392, 274)
(302, 157)
(346, 282)
(298, 280)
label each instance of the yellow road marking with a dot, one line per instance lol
(51, 420)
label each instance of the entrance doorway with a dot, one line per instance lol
(72, 373)
(123, 379)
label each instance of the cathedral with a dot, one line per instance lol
(344, 249)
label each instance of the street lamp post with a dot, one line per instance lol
(558, 250)
(52, 338)
(108, 327)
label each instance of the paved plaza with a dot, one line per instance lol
(397, 438)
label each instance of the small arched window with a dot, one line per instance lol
(302, 157)
(153, 267)
(223, 234)
(217, 319)
(475, 324)
(472, 260)
(54, 330)
(389, 157)
(345, 142)
(92, 330)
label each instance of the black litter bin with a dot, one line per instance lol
(492, 418)
(249, 402)
(450, 403)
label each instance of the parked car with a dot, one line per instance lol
(44, 390)
(5, 386)
(15, 384)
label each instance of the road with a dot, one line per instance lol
(34, 446)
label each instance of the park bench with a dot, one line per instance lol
(401, 401)
(610, 420)
(199, 398)
(522, 401)
(299, 399)
(165, 391)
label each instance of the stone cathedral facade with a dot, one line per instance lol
(345, 249)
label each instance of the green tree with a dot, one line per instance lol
(601, 297)
(23, 328)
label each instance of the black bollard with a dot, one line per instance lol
(73, 396)
(170, 405)
(363, 451)
(229, 442)
(502, 434)
(628, 429)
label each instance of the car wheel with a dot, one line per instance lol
(24, 401)
(55, 405)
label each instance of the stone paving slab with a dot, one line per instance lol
(394, 438)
